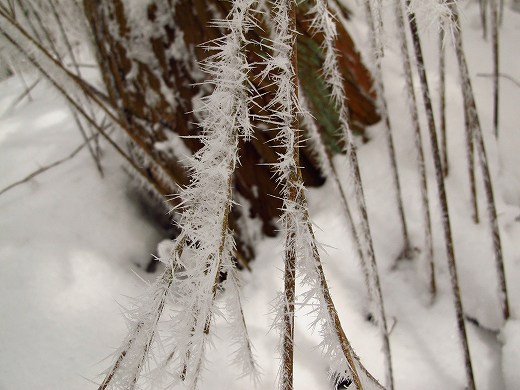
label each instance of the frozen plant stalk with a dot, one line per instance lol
(470, 108)
(414, 115)
(205, 239)
(324, 23)
(327, 166)
(443, 200)
(373, 10)
(300, 245)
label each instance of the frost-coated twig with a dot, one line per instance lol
(376, 55)
(66, 82)
(376, 7)
(96, 153)
(207, 201)
(324, 23)
(443, 200)
(483, 16)
(282, 68)
(327, 166)
(504, 75)
(442, 98)
(300, 245)
(243, 354)
(495, 39)
(331, 326)
(77, 106)
(47, 167)
(471, 109)
(412, 106)
(125, 371)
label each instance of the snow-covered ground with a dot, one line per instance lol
(73, 245)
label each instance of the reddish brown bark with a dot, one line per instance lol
(169, 72)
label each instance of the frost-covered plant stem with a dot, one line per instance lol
(470, 154)
(78, 107)
(73, 59)
(286, 98)
(328, 312)
(208, 199)
(471, 110)
(376, 7)
(496, 63)
(442, 99)
(300, 245)
(144, 326)
(376, 55)
(376, 284)
(412, 106)
(357, 369)
(324, 23)
(205, 239)
(32, 11)
(483, 16)
(66, 82)
(443, 200)
(327, 166)
(214, 273)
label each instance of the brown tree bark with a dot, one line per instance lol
(152, 77)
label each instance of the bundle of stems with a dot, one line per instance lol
(421, 166)
(301, 251)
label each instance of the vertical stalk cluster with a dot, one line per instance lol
(203, 252)
(35, 15)
(421, 167)
(301, 252)
(324, 23)
(374, 21)
(205, 245)
(470, 108)
(443, 200)
(67, 84)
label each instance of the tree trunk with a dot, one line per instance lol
(152, 78)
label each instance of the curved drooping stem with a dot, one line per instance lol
(323, 22)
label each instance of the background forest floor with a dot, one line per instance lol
(73, 246)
